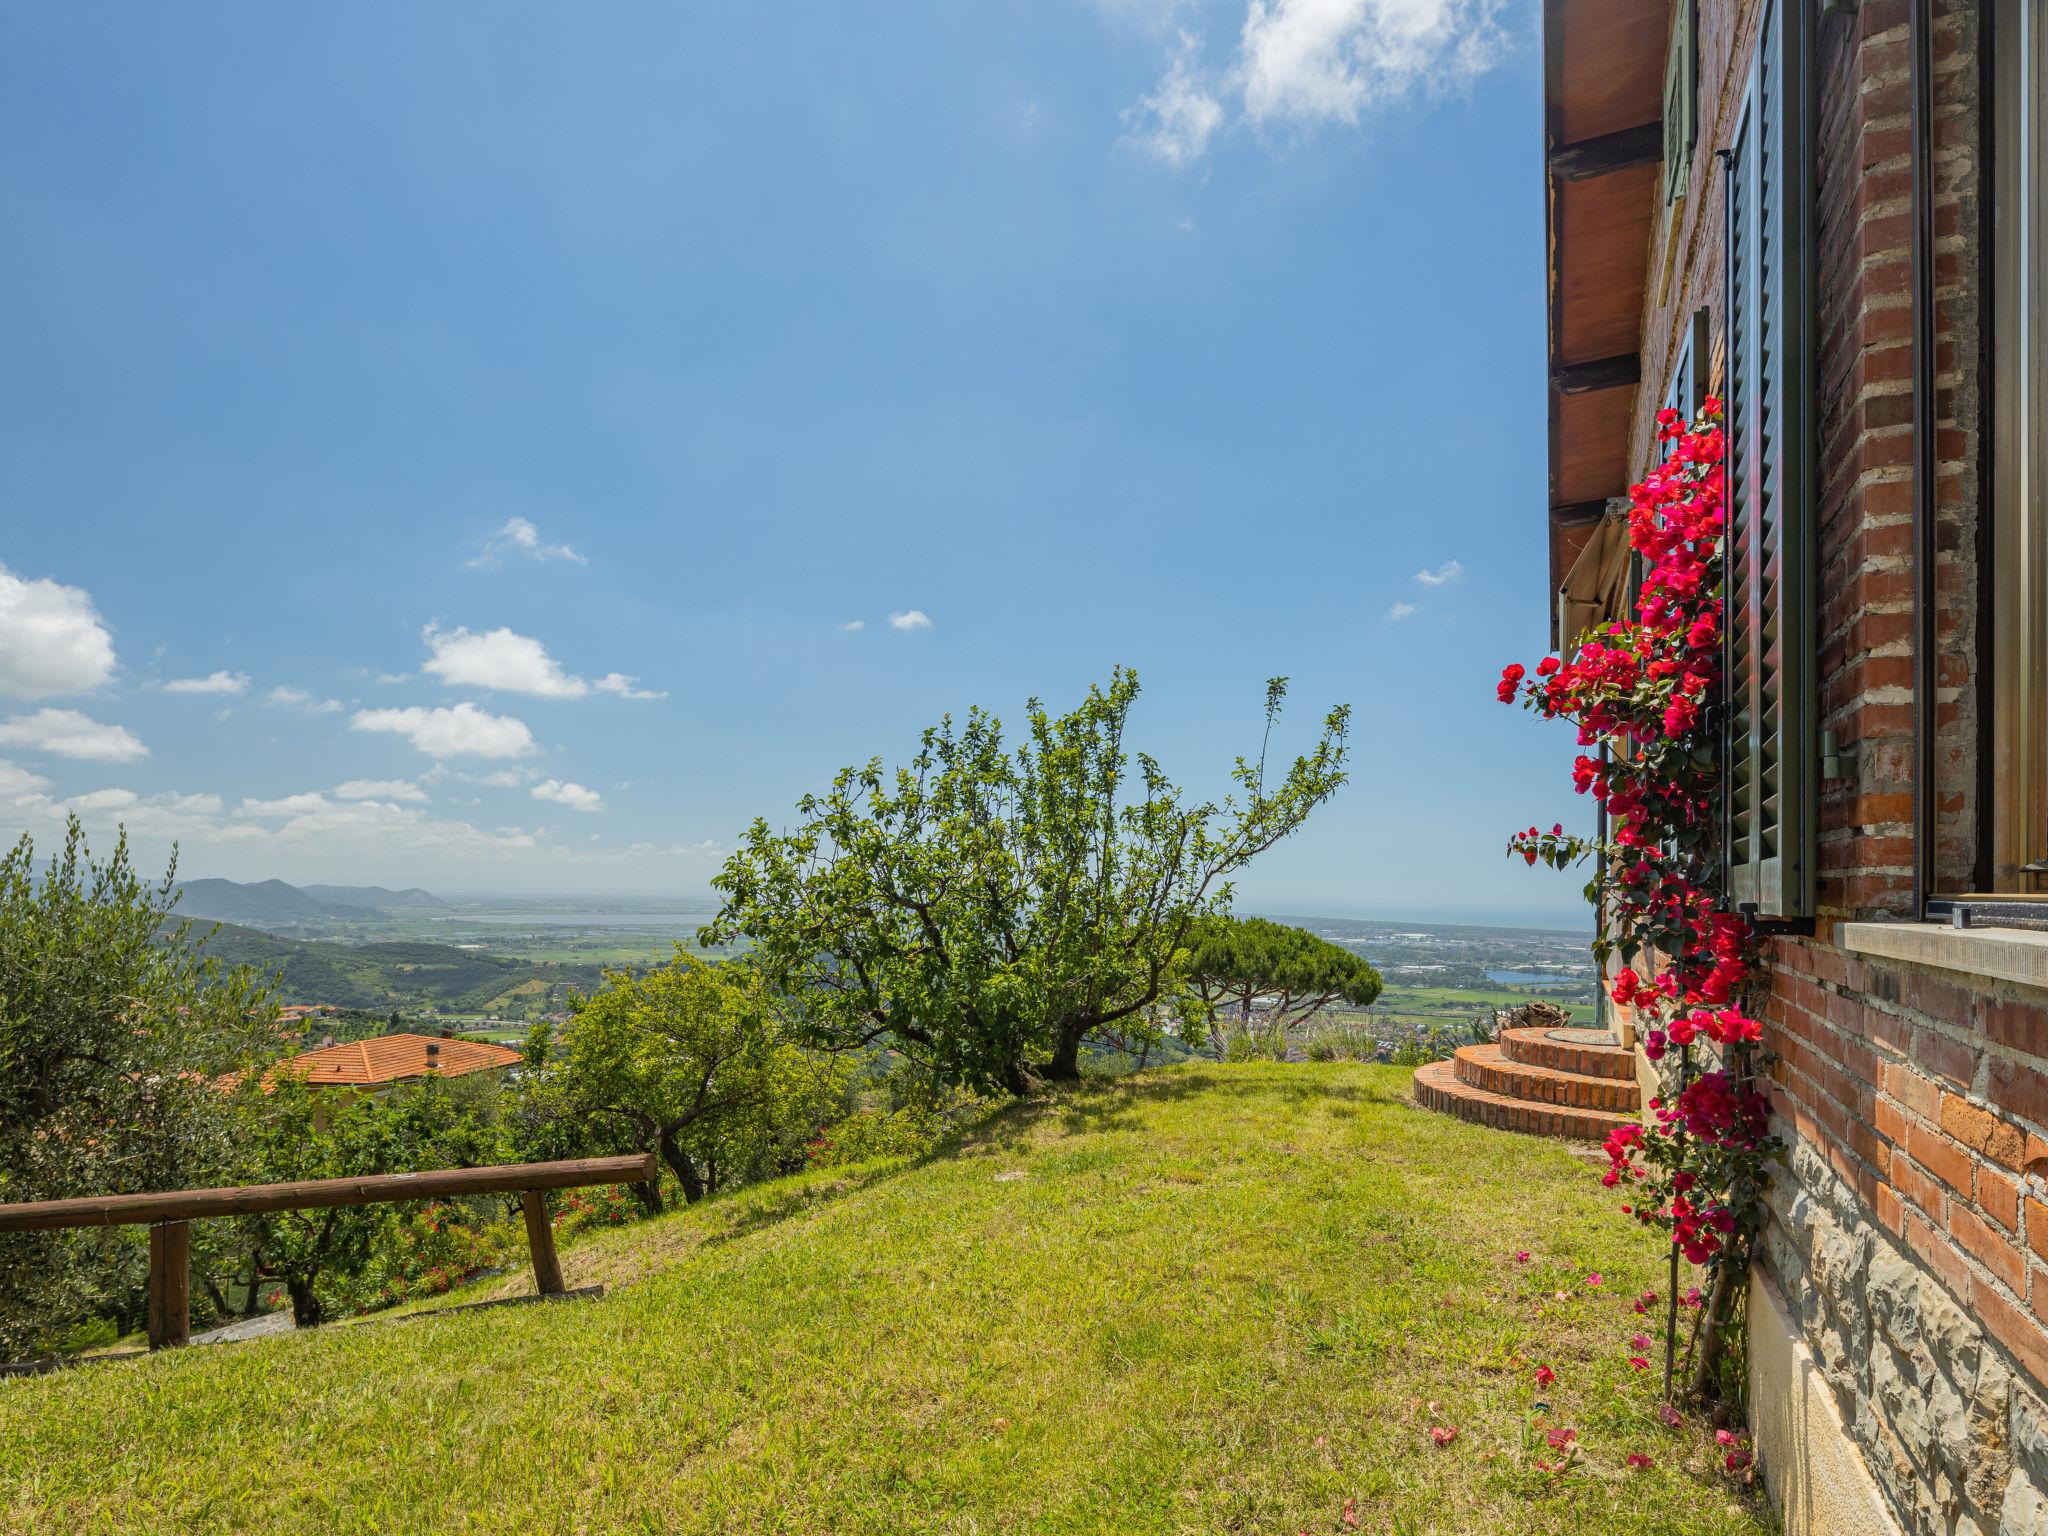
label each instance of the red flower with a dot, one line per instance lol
(1545, 1376)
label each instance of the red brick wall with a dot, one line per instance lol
(1915, 1101)
(1928, 1096)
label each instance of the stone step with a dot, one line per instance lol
(1485, 1066)
(1559, 1050)
(1438, 1087)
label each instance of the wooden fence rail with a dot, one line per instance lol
(169, 1215)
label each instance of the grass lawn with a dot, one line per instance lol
(1200, 1299)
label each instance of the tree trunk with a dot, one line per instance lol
(649, 1196)
(1016, 1081)
(1065, 1066)
(306, 1311)
(683, 1168)
(1707, 1370)
(252, 1303)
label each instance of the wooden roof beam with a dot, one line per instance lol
(1576, 514)
(1601, 373)
(1617, 151)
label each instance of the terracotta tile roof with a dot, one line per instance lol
(392, 1058)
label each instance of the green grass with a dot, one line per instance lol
(1195, 1300)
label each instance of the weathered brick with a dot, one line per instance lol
(1917, 1093)
(1944, 1056)
(1999, 1198)
(1988, 1246)
(1941, 1157)
(1984, 1132)
(2020, 1088)
(2022, 1026)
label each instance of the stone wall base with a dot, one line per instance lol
(1812, 1467)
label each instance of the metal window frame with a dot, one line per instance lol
(2018, 585)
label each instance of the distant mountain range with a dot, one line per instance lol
(266, 903)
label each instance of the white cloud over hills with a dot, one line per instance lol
(460, 731)
(52, 640)
(67, 733)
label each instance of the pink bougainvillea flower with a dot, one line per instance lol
(1637, 1342)
(1670, 1415)
(1349, 1513)
(1545, 1375)
(1637, 1362)
(1595, 1279)
(1522, 1257)
(1443, 1434)
(1638, 1462)
(1560, 1438)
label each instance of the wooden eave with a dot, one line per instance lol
(1603, 91)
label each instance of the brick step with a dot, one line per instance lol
(1484, 1066)
(1438, 1087)
(1539, 1047)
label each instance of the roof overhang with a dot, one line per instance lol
(1603, 89)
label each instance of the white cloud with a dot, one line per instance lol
(626, 687)
(520, 537)
(498, 659)
(17, 780)
(913, 619)
(1308, 63)
(51, 639)
(574, 796)
(213, 682)
(1449, 571)
(381, 789)
(1323, 61)
(288, 805)
(285, 696)
(67, 733)
(464, 731)
(1401, 611)
(853, 626)
(1176, 121)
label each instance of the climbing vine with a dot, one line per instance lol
(1645, 694)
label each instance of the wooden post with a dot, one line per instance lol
(170, 1281)
(540, 1238)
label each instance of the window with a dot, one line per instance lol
(2019, 454)
(1681, 111)
(1769, 742)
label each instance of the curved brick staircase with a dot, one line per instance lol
(1541, 1079)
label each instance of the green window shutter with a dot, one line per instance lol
(1688, 386)
(1681, 77)
(1770, 762)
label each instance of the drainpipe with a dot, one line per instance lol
(1920, 44)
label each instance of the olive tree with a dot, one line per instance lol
(114, 1025)
(986, 909)
(690, 1061)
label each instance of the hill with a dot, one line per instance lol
(1193, 1300)
(405, 975)
(374, 897)
(264, 902)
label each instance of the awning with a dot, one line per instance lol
(1596, 588)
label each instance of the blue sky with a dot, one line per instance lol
(455, 444)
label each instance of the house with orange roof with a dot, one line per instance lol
(377, 1064)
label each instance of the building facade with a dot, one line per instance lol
(1831, 215)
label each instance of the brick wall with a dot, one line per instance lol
(1910, 1230)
